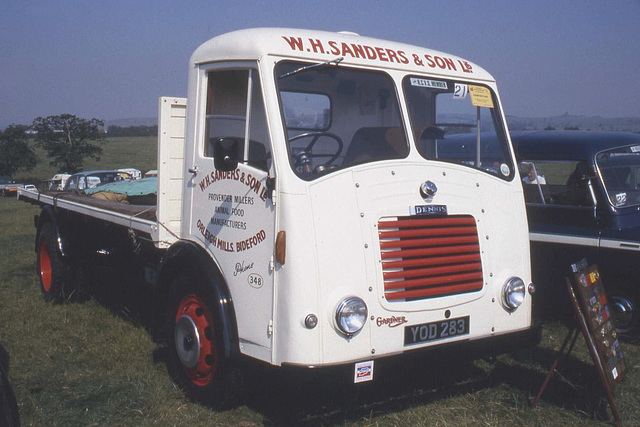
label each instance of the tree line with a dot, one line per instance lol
(132, 131)
(67, 140)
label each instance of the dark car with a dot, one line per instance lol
(91, 179)
(582, 191)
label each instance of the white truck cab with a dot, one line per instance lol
(314, 208)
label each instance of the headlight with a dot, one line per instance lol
(513, 293)
(351, 315)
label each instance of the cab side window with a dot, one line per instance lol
(556, 183)
(229, 93)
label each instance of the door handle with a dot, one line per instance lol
(194, 170)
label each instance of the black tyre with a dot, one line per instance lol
(626, 318)
(9, 415)
(55, 276)
(197, 359)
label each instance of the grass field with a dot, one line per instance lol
(138, 153)
(94, 363)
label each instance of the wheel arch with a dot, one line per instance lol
(47, 215)
(182, 256)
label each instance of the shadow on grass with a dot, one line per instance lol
(122, 290)
(327, 396)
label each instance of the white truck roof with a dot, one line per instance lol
(253, 44)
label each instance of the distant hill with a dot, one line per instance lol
(620, 124)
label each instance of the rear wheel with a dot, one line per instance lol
(197, 360)
(55, 275)
(626, 318)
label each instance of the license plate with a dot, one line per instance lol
(441, 329)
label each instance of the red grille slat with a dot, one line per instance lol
(425, 232)
(427, 222)
(429, 271)
(433, 292)
(450, 259)
(430, 257)
(426, 252)
(433, 241)
(433, 281)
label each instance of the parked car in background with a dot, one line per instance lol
(8, 186)
(133, 173)
(91, 179)
(582, 192)
(58, 181)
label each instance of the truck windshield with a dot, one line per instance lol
(458, 122)
(620, 171)
(336, 117)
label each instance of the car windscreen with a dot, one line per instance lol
(620, 172)
(336, 117)
(458, 122)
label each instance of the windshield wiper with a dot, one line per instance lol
(307, 67)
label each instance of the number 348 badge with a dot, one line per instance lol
(255, 280)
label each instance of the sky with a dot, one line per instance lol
(112, 59)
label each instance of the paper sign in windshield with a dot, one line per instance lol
(428, 83)
(480, 96)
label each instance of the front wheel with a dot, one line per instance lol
(626, 317)
(197, 360)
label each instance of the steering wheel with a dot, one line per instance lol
(308, 150)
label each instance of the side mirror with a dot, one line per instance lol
(225, 153)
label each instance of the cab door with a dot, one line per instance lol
(232, 214)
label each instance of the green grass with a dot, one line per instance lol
(94, 363)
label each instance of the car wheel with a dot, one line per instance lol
(197, 359)
(626, 317)
(55, 275)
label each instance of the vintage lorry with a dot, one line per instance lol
(304, 217)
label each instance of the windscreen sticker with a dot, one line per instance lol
(460, 91)
(621, 199)
(635, 149)
(480, 96)
(428, 83)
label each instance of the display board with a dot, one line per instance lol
(593, 315)
(593, 300)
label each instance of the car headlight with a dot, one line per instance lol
(513, 293)
(351, 315)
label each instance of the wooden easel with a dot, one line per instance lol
(593, 315)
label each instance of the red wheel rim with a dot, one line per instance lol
(207, 363)
(45, 266)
